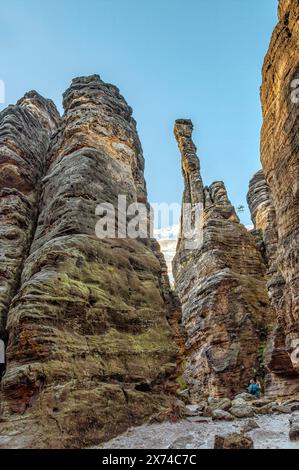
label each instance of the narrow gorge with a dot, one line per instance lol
(96, 339)
(239, 290)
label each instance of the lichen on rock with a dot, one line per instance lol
(273, 197)
(91, 348)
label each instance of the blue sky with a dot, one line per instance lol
(171, 59)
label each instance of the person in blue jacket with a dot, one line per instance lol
(254, 388)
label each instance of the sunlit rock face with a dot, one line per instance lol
(24, 142)
(263, 217)
(222, 288)
(92, 328)
(280, 161)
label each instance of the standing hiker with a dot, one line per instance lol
(254, 388)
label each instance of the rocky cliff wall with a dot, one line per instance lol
(264, 219)
(91, 350)
(259, 265)
(281, 378)
(280, 161)
(222, 288)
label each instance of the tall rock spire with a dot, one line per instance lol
(193, 186)
(91, 350)
(222, 288)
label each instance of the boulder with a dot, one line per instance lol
(249, 426)
(242, 411)
(262, 402)
(289, 406)
(222, 415)
(245, 396)
(233, 441)
(239, 402)
(220, 403)
(193, 410)
(294, 427)
(264, 410)
(281, 409)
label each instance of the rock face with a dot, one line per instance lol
(264, 219)
(91, 350)
(280, 160)
(25, 131)
(222, 288)
(274, 196)
(282, 379)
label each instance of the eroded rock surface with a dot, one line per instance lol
(25, 131)
(264, 219)
(233, 441)
(274, 198)
(282, 379)
(222, 288)
(91, 350)
(280, 160)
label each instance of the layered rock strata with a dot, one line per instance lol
(282, 379)
(25, 131)
(280, 161)
(222, 287)
(264, 218)
(91, 348)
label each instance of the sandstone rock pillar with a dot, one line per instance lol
(222, 288)
(25, 131)
(91, 350)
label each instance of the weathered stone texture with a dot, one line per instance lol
(280, 161)
(25, 131)
(264, 219)
(233, 441)
(222, 288)
(91, 350)
(281, 379)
